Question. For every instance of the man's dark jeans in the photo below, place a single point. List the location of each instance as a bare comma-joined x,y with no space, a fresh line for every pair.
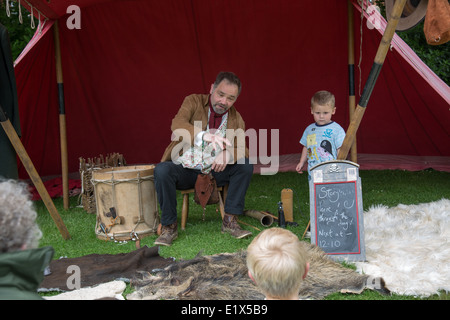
170,177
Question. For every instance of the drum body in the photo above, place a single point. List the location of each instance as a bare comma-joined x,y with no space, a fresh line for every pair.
127,207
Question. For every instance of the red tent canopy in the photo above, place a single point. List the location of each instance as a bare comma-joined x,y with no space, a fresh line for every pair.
128,68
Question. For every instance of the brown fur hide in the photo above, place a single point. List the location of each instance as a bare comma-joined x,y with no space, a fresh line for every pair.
100,268
225,277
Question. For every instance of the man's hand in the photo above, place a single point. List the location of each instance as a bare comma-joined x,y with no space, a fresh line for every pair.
217,141
220,162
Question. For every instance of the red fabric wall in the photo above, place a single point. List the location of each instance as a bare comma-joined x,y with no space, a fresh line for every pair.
128,68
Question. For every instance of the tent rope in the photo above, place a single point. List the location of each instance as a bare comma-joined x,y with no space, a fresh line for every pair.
8,12
41,17
20,13
32,18
34,9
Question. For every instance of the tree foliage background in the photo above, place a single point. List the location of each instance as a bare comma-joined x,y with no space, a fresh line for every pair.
436,57
19,34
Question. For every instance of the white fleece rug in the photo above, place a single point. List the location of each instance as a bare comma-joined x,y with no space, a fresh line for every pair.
409,247
104,291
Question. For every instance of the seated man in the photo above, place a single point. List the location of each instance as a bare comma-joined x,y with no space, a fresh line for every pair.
208,136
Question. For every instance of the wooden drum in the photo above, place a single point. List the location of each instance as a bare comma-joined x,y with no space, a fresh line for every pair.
127,207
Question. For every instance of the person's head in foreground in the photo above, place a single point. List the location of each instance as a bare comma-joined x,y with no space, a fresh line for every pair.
277,263
22,262
18,228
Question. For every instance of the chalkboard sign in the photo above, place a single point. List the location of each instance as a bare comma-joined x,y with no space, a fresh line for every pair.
336,210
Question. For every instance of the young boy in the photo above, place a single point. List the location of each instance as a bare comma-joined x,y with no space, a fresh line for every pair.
322,139
277,264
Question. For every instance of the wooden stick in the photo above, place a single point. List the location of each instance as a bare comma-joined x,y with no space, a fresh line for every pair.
62,118
269,214
374,72
28,164
248,224
221,205
351,74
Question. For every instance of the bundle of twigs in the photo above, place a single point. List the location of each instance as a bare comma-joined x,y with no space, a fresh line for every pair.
88,166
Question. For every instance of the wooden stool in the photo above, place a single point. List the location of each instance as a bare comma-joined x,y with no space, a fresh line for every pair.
185,208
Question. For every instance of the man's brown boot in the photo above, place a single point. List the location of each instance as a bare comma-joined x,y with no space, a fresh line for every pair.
230,225
168,234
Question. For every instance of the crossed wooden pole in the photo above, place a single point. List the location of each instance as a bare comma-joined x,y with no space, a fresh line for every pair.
373,75
37,181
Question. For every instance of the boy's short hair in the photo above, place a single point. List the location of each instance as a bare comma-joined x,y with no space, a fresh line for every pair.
277,262
323,98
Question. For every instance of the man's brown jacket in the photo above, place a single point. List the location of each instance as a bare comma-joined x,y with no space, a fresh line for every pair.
195,110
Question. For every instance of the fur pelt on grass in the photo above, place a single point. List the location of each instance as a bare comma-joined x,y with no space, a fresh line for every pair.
408,245
106,291
225,277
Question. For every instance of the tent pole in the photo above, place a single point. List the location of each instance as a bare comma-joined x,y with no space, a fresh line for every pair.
37,181
373,75
62,117
351,74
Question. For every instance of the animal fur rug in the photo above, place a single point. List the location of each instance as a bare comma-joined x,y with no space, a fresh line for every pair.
408,246
106,291
96,269
225,277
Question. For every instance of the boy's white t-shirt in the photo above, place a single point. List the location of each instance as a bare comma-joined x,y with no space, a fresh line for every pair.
322,142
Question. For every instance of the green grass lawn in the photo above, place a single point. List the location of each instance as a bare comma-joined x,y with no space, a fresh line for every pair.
385,187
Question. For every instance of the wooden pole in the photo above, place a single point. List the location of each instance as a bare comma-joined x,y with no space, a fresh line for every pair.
351,75
62,118
373,75
28,164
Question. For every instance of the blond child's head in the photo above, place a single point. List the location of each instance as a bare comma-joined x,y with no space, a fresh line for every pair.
277,263
323,106
323,98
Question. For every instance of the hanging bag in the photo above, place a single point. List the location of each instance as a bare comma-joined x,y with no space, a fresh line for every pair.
206,190
437,22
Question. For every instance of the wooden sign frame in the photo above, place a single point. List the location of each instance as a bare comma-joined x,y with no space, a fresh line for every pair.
336,211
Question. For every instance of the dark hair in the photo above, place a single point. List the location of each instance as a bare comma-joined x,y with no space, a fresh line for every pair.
230,77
